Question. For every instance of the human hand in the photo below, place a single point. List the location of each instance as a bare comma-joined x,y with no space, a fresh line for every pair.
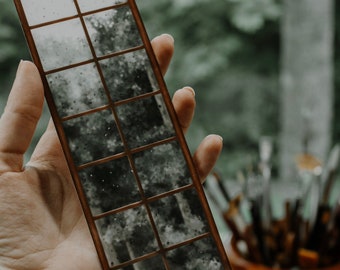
42,225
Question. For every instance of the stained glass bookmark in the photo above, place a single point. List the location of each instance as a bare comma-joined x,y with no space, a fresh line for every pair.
132,169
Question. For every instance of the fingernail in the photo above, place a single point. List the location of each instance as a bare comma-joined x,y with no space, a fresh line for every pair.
220,137
19,66
188,88
169,37
216,136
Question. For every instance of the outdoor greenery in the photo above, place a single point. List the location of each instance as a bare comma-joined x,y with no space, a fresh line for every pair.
228,50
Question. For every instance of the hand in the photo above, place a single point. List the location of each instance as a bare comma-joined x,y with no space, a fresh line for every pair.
41,222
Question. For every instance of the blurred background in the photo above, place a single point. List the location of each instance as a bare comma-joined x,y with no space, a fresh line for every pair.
259,68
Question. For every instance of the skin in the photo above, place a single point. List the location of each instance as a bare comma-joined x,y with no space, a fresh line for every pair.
41,222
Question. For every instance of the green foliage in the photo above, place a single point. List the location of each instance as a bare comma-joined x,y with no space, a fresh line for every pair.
229,52
12,44
336,125
12,47
251,16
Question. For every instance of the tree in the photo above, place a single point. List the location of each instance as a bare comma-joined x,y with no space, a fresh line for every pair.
306,80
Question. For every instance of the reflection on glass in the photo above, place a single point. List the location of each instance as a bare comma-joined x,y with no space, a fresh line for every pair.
145,121
119,236
179,218
109,186
61,44
77,90
162,169
113,30
129,75
92,137
89,5
38,11
200,255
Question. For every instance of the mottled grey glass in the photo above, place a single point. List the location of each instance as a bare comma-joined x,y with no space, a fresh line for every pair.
129,75
200,255
89,5
109,186
61,44
145,121
179,218
77,90
38,11
126,236
112,31
154,263
162,169
92,137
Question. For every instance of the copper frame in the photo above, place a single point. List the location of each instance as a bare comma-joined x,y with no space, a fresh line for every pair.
178,136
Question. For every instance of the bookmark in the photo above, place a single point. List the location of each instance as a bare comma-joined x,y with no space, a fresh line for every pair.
131,167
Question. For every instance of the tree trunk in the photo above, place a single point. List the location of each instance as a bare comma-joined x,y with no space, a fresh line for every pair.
306,81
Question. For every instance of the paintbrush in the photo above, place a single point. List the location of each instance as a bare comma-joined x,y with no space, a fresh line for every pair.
310,170
323,216
265,151
330,173
223,189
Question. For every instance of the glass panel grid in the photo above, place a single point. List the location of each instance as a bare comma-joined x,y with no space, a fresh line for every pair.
111,122
41,13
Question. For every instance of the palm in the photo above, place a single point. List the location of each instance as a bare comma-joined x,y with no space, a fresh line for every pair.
42,225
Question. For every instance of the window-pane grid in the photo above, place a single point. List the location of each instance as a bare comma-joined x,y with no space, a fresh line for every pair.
125,154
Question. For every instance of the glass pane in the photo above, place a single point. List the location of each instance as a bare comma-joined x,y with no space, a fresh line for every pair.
200,255
179,218
109,186
89,5
92,137
154,263
41,11
126,236
162,168
113,30
145,121
129,75
77,90
61,44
